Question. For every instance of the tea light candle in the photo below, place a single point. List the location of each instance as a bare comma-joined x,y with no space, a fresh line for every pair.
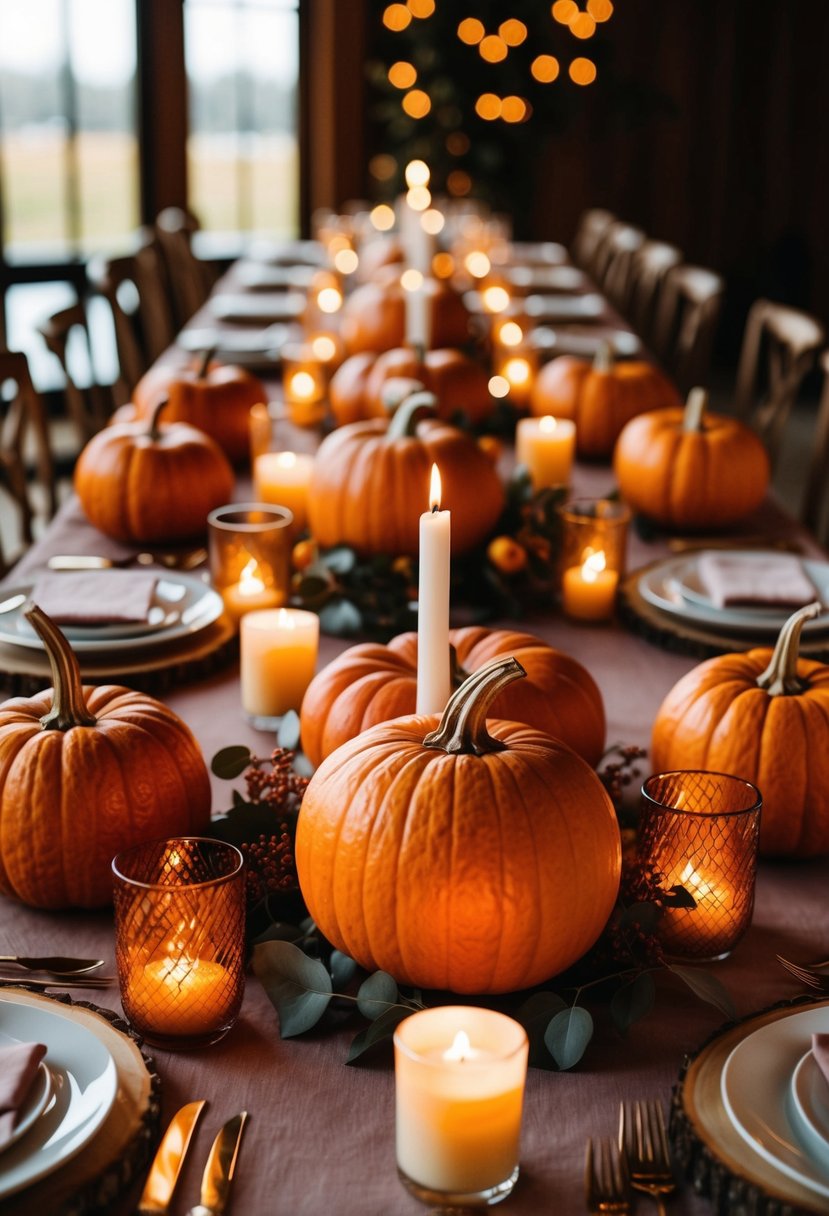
547,447
459,1086
181,996
434,681
715,904
285,478
278,657
250,593
589,591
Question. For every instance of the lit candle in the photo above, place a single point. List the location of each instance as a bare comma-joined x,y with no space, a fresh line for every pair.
434,681
250,593
459,1087
181,995
589,590
518,369
278,657
305,383
546,446
417,241
715,904
284,478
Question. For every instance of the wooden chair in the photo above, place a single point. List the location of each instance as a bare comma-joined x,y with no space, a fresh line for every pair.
815,507
594,225
685,321
23,427
651,263
614,269
780,345
190,279
88,407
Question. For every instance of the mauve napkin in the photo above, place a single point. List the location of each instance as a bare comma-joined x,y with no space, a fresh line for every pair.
820,1050
18,1065
98,597
770,580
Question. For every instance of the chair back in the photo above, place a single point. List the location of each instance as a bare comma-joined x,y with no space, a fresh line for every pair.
815,507
616,259
189,278
23,428
88,407
594,225
685,321
651,262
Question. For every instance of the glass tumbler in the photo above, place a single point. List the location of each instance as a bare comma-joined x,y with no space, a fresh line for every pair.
250,555
593,551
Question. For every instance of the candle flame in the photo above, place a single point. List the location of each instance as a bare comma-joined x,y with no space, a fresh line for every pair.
547,424
460,1048
249,581
286,460
593,565
302,385
435,489
698,886
284,619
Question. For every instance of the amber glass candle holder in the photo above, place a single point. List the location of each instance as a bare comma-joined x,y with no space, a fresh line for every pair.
700,831
250,555
180,939
593,552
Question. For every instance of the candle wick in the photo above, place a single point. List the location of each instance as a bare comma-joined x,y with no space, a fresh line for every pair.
435,508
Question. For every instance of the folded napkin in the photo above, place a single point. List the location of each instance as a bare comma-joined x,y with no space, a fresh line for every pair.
18,1065
764,580
95,597
820,1050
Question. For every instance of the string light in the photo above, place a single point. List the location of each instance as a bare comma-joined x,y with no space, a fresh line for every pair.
582,26
493,49
402,75
471,31
545,68
396,17
416,103
582,71
512,31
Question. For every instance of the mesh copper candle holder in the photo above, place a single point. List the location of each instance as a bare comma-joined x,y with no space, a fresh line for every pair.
700,831
180,938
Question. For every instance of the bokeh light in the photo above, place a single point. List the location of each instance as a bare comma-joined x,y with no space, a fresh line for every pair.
582,26
411,279
564,11
402,74
545,68
471,31
512,31
346,261
443,265
493,49
417,104
495,298
513,109
418,198
582,71
432,221
330,300
382,167
457,143
324,347
417,173
488,106
459,183
421,8
396,17
499,386
600,10
382,217
477,263
509,333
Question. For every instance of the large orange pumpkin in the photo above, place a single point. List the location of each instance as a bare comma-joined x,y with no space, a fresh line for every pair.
763,716
374,316
370,483
370,683
459,858
691,469
459,384
600,397
84,773
152,482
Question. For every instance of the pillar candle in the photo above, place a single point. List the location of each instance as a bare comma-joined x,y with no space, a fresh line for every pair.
434,680
546,446
278,657
418,317
181,995
284,478
589,591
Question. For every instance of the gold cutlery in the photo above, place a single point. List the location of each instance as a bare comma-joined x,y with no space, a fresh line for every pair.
606,1183
30,981
168,1160
220,1168
644,1142
810,977
91,561
56,964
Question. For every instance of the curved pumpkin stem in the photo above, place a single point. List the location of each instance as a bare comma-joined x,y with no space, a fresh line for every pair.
154,431
457,672
780,679
462,729
695,407
409,413
398,389
204,363
68,704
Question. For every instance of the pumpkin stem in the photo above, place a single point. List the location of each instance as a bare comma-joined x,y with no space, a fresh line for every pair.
68,704
603,359
396,390
409,413
780,679
204,363
462,729
695,407
457,672
154,431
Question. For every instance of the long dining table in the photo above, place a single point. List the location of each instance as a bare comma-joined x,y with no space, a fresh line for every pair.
321,1134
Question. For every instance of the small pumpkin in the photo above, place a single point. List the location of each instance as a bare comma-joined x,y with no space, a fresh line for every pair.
600,397
152,482
455,856
213,396
691,469
371,683
370,482
458,383
374,315
762,715
84,773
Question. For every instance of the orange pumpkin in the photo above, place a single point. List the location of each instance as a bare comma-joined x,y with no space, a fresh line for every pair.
691,469
600,397
212,396
84,773
370,683
458,384
374,316
370,483
152,483
459,858
763,716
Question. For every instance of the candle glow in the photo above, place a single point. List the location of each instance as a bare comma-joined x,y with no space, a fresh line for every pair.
546,447
434,681
589,590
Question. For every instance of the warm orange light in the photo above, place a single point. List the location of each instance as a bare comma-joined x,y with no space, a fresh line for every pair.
324,347
411,279
471,31
458,183
493,49
434,489
330,300
545,68
512,31
382,217
510,333
416,103
457,143
346,261
582,71
417,173
499,386
443,265
418,198
421,8
495,298
517,371
513,109
302,385
600,10
460,1049
582,26
477,263
382,167
432,221
396,17
564,11
402,75
488,106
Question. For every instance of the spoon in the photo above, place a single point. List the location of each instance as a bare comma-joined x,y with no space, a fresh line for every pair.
57,965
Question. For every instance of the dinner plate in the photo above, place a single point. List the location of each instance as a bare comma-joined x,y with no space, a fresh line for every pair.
537,253
810,1104
85,1082
693,590
755,1084
585,341
195,607
244,347
259,308
35,1102
561,307
547,278
164,611
256,276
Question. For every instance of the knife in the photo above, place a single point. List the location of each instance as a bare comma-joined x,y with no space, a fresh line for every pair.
220,1168
167,1163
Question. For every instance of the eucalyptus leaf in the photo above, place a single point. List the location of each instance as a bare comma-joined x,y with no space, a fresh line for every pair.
567,1036
707,987
378,1031
287,734
340,618
341,559
343,969
298,987
632,1001
303,766
230,762
535,1015
376,994
279,931
313,586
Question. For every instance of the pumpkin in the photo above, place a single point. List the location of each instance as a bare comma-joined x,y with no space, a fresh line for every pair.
691,469
370,683
152,482
374,315
600,397
764,716
370,482
212,396
85,773
458,384
457,857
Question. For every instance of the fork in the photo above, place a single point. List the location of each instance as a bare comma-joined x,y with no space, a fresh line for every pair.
644,1143
606,1183
808,976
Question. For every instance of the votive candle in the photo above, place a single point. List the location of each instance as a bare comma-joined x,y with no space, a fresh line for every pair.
588,591
278,658
547,447
285,478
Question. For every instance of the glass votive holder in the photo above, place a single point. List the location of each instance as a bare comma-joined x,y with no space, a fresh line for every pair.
459,1089
546,446
304,384
278,657
593,552
325,301
250,555
180,939
700,831
281,475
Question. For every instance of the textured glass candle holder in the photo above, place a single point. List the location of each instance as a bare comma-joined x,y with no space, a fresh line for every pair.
700,831
592,557
250,555
180,939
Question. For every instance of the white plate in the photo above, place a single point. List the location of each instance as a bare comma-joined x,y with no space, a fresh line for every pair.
85,1082
244,347
165,610
585,342
39,1093
257,307
693,590
547,278
755,1085
254,276
563,307
810,1104
195,604
663,586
